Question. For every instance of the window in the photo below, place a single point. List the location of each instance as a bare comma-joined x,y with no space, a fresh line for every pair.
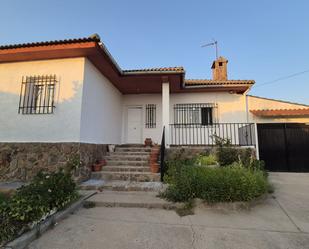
37,94
206,115
200,114
150,116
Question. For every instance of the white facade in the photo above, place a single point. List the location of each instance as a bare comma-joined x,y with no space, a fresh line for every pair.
61,126
90,109
230,108
101,113
140,100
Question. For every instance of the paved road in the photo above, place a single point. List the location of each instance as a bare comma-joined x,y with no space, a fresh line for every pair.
281,223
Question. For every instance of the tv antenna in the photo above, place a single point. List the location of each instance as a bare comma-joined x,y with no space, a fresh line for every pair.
214,43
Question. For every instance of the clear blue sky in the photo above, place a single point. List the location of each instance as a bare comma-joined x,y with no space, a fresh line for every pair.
263,40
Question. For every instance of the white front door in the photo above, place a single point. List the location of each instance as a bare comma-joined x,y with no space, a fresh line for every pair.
134,127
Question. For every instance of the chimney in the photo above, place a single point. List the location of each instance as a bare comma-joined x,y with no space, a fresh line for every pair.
219,69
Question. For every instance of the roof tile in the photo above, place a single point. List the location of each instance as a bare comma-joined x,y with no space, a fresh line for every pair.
201,82
159,69
281,112
47,43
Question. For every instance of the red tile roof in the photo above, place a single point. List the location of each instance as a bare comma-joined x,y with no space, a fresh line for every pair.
80,48
47,43
159,69
281,112
201,82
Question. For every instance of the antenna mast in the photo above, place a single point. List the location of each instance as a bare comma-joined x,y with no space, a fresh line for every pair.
214,43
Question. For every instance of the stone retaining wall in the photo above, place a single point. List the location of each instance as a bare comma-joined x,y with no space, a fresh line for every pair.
22,161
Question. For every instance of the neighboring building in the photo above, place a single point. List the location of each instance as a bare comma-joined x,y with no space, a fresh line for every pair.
67,97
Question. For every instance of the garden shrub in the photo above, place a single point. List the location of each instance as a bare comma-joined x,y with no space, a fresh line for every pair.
204,160
222,184
226,153
3,197
47,193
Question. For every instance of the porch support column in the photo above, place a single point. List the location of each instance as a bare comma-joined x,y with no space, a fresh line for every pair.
166,109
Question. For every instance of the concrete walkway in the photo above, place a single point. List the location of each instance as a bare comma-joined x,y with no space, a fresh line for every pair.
280,222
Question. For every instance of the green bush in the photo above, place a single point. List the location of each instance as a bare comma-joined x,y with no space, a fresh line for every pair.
226,153
46,194
203,160
221,184
3,197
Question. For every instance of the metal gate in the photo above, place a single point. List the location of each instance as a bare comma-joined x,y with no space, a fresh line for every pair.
284,146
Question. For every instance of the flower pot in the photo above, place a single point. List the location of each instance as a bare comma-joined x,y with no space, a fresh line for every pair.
154,168
148,142
97,167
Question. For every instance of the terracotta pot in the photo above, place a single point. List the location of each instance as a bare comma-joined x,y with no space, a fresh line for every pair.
154,168
155,150
148,142
97,167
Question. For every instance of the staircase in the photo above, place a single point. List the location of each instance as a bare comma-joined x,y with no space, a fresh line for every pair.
126,180
128,165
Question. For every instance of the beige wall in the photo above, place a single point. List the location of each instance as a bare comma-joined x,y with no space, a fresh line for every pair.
61,126
231,107
256,103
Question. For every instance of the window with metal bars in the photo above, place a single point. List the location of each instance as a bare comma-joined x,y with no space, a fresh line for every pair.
150,116
198,114
37,94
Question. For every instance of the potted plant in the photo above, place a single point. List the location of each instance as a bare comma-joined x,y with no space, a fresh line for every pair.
148,142
97,166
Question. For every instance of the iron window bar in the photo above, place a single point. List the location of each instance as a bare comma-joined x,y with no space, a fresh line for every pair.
150,116
195,114
37,94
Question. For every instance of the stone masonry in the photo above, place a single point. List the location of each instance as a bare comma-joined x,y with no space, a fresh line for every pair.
22,161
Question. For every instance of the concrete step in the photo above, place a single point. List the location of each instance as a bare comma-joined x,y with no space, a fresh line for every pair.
126,168
92,184
129,145
120,157
131,153
126,176
143,163
132,149
118,185
130,199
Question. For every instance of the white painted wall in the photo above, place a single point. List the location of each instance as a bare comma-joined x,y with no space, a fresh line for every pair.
61,126
141,100
231,107
255,103
101,119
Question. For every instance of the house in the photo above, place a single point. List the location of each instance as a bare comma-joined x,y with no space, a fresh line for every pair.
67,97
